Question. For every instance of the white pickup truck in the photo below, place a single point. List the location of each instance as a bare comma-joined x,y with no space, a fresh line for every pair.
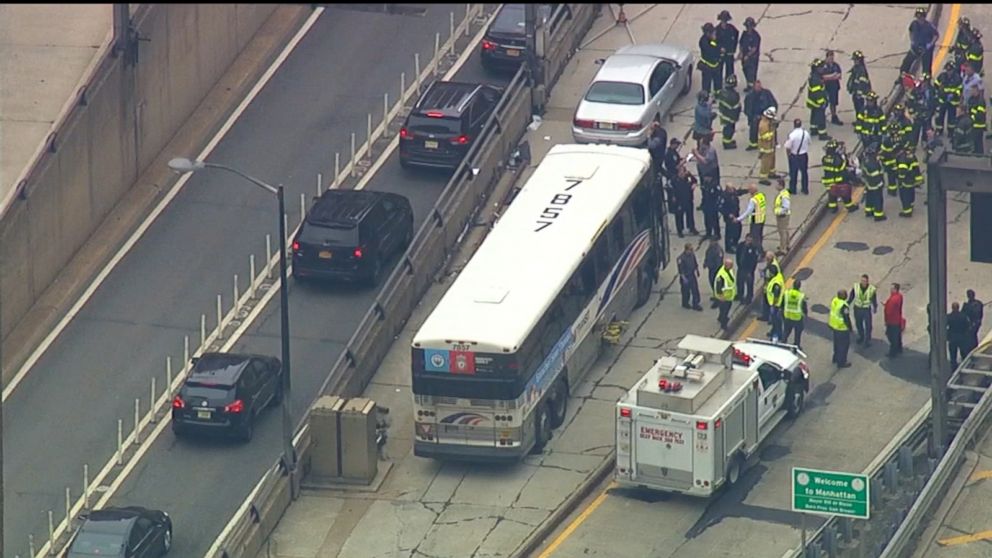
691,424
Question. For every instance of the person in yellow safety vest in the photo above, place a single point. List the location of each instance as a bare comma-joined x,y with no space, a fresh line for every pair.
767,132
725,290
874,179
910,179
774,294
862,298
772,270
816,101
840,324
782,210
794,312
756,210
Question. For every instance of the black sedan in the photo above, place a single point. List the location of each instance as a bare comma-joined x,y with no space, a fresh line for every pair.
131,532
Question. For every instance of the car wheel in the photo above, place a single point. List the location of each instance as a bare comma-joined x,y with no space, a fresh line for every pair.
248,430
643,287
734,470
277,396
558,402
688,83
167,540
177,429
542,428
796,400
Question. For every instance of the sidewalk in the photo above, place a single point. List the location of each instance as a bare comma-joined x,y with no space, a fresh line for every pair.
428,508
46,51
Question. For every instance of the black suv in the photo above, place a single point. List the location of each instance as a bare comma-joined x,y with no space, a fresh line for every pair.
504,45
131,532
445,121
351,234
225,392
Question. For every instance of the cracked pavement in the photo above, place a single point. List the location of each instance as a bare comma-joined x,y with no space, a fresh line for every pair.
440,510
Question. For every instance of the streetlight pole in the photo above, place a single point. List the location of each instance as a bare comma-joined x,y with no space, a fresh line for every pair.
288,451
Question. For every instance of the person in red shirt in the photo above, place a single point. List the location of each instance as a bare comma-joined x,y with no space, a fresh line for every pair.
894,322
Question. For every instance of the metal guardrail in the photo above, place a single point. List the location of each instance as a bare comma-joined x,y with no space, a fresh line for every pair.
434,243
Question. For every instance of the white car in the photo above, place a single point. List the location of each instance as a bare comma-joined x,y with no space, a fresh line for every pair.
635,86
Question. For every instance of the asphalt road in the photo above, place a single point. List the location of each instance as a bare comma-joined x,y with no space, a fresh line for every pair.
202,482
106,357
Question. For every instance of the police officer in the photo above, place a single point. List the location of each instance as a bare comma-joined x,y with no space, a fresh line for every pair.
816,101
910,179
729,104
962,139
873,176
750,45
710,59
921,105
725,291
688,277
887,153
726,38
862,297
976,109
756,102
858,85
833,166
840,325
794,312
748,255
948,88
870,120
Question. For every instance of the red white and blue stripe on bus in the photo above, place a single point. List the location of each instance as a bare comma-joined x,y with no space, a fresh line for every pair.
626,267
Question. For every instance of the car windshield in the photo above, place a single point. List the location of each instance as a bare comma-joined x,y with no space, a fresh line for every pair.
616,93
96,544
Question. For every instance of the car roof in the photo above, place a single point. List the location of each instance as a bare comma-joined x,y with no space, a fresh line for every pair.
112,521
450,98
629,68
342,208
780,356
219,368
656,50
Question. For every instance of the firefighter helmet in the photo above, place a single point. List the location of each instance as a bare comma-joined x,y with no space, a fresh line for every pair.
724,16
921,12
749,22
858,55
731,81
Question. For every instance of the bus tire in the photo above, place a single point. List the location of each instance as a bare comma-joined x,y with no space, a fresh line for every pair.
734,470
644,283
558,402
542,428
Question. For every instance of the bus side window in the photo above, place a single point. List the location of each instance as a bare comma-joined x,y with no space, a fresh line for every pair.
617,235
601,253
588,276
642,206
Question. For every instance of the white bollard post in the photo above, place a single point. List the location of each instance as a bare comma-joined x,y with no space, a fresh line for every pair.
437,52
51,534
31,545
237,293
120,441
268,256
251,271
352,160
185,355
220,319
137,421
68,507
86,486
416,69
151,405
168,375
303,207
203,331
289,231
385,115
468,17
402,87
368,132
320,181
451,32
337,168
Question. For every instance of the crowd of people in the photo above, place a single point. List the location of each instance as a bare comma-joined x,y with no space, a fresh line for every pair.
952,104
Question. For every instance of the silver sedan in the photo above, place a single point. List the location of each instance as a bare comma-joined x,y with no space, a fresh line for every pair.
635,86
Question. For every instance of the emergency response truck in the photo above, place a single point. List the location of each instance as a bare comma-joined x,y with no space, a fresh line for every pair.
691,424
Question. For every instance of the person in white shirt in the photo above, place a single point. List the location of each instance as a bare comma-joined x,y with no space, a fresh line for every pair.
782,209
797,149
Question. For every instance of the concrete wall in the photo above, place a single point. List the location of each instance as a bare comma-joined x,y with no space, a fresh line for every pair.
127,115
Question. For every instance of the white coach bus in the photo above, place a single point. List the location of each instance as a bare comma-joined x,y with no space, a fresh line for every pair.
580,246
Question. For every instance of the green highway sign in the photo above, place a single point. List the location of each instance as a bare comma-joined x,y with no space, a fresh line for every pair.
830,492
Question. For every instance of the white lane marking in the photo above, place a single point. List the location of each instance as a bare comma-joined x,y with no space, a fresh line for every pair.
133,240
215,547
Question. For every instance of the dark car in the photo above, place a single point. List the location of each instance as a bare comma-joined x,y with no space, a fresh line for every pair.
504,45
351,234
225,392
131,532
445,121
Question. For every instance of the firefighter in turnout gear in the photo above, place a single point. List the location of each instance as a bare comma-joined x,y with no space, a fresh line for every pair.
887,152
976,109
921,105
858,85
976,52
902,121
962,138
767,129
948,89
834,165
710,59
962,42
816,101
870,120
727,38
729,101
873,176
910,179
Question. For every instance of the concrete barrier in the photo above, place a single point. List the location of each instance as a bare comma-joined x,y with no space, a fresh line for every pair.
121,120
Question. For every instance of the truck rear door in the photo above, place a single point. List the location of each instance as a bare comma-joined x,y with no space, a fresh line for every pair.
663,454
